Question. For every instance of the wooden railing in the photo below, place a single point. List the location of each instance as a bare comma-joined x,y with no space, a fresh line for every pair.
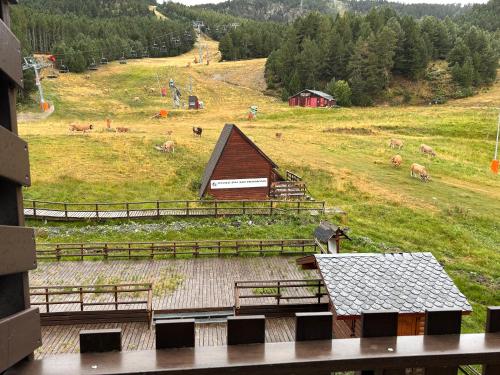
153,250
92,297
276,291
290,176
45,210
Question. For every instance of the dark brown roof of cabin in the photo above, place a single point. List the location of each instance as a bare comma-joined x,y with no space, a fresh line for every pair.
325,231
219,149
406,282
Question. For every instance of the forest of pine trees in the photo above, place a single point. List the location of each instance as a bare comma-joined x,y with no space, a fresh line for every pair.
79,32
364,52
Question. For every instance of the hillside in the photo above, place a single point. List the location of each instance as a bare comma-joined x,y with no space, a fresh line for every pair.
342,154
289,10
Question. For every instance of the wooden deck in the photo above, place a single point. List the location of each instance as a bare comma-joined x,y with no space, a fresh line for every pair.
138,336
41,210
178,284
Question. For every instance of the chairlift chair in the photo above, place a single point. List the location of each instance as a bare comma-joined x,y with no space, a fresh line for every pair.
63,68
104,61
133,54
93,65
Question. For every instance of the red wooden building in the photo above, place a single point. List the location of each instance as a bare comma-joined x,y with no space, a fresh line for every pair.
311,98
238,169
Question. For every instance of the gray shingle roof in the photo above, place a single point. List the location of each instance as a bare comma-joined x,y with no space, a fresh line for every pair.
407,282
219,149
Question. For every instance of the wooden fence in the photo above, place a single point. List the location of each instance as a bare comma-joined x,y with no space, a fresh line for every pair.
45,210
250,296
290,176
70,304
152,250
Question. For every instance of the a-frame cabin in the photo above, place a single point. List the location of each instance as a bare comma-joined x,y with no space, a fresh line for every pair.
238,169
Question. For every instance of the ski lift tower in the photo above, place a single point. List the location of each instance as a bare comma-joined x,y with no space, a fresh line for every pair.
31,63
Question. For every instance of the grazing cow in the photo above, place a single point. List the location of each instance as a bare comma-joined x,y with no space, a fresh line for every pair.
152,90
418,170
168,147
396,160
279,136
197,131
108,123
80,128
137,99
396,143
87,76
122,130
424,149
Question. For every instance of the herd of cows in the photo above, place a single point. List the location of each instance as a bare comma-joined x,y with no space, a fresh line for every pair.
416,170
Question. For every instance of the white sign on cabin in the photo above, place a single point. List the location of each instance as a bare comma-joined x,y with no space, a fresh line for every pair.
239,183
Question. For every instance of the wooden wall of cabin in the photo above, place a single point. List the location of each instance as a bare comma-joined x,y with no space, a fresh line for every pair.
240,160
408,325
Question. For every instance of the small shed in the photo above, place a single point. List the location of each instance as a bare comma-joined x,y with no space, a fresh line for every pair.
193,102
409,283
311,98
238,169
330,234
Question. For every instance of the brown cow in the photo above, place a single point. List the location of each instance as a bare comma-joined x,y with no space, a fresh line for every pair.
279,136
396,161
396,143
424,149
80,128
168,146
122,129
417,170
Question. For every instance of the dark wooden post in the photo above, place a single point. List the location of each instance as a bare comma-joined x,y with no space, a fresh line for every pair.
313,326
101,340
249,329
442,322
158,208
492,326
187,208
128,210
47,299
380,324
81,298
97,210
19,324
178,333
66,211
34,209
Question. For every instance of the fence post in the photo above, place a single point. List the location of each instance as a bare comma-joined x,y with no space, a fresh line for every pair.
66,210
219,249
319,291
244,210
97,210
196,249
278,297
47,299
34,209
105,251
81,251
271,208
215,208
187,208
128,210
236,298
442,322
298,207
150,305
175,250
261,248
492,326
81,299
115,290
58,253
158,208
323,208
